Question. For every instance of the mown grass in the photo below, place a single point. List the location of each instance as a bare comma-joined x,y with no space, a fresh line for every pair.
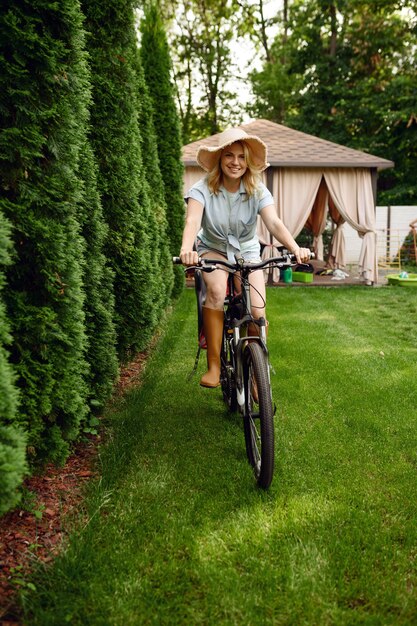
178,533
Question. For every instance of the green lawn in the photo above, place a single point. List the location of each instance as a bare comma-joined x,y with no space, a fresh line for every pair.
177,532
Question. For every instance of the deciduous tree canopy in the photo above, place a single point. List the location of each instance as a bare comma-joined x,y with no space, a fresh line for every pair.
346,71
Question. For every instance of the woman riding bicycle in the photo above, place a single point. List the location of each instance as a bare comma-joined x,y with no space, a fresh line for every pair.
222,210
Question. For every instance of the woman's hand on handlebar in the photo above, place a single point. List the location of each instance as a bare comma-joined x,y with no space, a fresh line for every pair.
189,257
302,255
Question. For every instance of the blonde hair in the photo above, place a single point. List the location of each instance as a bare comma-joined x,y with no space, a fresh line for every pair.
251,178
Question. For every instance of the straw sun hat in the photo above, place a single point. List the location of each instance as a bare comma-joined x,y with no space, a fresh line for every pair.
207,156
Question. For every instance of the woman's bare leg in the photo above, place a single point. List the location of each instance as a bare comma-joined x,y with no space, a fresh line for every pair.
216,283
257,293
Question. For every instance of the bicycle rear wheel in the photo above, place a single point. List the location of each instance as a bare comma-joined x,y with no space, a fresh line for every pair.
258,419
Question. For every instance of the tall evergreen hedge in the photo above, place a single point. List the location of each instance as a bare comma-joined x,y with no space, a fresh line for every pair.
42,81
12,439
116,141
98,287
91,264
157,64
158,223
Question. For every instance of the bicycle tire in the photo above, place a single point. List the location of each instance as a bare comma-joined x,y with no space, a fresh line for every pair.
258,419
227,377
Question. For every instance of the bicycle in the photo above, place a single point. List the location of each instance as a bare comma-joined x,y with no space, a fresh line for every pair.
244,360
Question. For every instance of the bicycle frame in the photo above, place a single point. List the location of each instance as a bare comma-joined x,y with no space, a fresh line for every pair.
234,323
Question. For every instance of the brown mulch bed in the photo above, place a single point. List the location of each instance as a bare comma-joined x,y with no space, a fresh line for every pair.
36,533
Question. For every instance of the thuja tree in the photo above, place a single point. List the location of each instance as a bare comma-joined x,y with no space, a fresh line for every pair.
40,94
116,141
97,274
98,288
12,439
161,256
157,64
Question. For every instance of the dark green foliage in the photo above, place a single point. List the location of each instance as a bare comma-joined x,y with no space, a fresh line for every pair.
12,439
43,113
408,251
98,287
157,219
91,253
156,64
115,138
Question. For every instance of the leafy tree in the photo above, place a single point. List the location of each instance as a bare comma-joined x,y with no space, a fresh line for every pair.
116,141
254,24
43,114
12,440
156,63
349,76
200,36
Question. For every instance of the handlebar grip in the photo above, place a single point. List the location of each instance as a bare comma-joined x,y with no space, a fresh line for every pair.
176,260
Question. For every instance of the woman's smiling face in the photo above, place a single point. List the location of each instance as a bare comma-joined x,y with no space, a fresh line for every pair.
233,161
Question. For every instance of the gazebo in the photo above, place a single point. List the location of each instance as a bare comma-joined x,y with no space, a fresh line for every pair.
311,178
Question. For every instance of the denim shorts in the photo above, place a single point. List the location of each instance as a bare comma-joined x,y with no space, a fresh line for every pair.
250,256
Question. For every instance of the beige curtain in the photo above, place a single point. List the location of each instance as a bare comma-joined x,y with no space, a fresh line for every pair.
191,176
293,206
295,190
337,254
316,221
351,192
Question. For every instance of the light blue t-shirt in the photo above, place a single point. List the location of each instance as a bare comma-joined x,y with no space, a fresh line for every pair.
229,220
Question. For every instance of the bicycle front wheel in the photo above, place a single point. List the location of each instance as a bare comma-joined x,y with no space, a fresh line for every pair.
258,419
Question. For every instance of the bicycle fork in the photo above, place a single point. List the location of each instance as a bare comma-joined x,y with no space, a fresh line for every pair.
238,347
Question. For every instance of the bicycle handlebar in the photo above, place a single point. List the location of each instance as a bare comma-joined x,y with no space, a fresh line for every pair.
209,265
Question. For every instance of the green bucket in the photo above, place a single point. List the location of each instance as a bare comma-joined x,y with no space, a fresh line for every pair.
287,275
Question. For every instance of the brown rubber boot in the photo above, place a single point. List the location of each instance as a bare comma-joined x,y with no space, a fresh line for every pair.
213,331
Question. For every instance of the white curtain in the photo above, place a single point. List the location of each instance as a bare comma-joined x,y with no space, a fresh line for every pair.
351,192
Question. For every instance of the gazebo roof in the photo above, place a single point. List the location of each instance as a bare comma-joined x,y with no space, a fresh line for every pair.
291,148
